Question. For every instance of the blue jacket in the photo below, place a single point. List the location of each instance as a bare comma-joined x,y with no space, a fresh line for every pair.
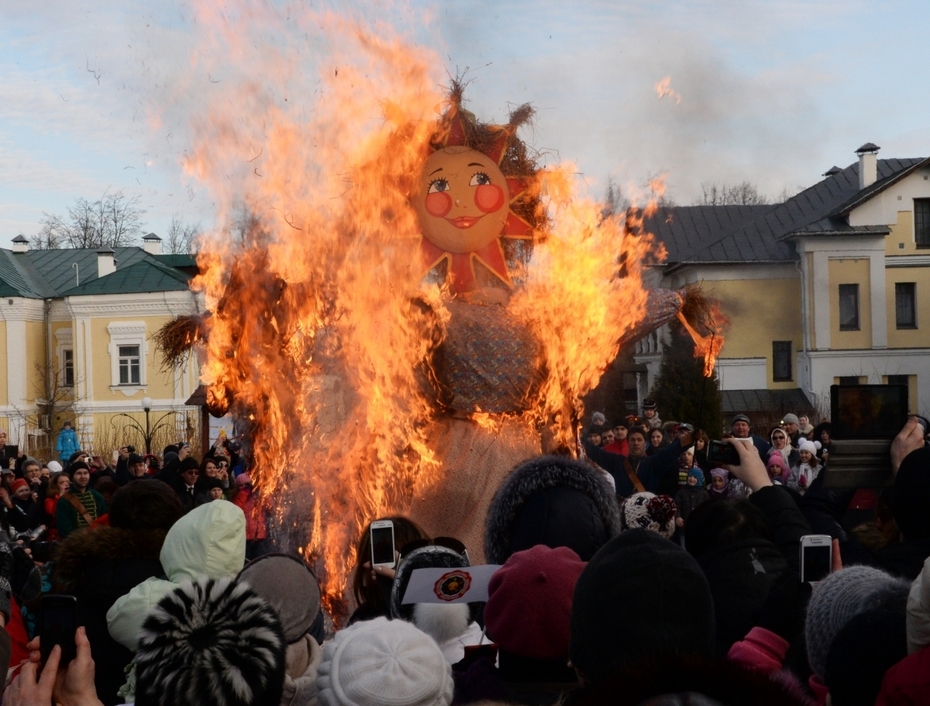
67,444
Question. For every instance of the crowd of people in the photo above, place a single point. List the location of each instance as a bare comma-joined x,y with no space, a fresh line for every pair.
642,572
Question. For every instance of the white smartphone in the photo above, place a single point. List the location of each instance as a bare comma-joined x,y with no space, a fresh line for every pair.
816,557
382,543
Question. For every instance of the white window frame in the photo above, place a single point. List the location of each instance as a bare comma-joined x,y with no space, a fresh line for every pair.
127,333
64,338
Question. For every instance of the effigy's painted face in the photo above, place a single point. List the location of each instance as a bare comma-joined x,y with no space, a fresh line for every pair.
462,201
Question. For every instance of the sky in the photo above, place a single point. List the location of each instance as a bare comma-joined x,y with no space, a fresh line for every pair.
774,92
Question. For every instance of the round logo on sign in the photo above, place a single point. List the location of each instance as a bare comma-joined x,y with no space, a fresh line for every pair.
452,585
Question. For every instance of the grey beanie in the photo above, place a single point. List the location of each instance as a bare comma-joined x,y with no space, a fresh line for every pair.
840,597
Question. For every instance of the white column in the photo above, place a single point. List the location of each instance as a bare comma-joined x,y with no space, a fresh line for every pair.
821,303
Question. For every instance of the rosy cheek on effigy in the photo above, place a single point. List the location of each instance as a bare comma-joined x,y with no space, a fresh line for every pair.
438,203
489,197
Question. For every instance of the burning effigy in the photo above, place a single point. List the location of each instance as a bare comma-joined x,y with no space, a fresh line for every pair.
407,305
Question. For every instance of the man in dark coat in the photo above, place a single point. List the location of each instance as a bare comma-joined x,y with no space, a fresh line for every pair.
656,474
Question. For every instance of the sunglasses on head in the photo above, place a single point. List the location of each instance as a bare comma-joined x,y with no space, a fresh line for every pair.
447,542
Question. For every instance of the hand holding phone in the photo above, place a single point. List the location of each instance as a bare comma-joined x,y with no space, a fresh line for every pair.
58,622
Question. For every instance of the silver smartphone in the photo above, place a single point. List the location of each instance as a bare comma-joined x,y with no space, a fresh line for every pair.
816,557
382,543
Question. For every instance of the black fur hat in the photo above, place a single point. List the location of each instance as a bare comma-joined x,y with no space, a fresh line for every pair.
551,500
211,642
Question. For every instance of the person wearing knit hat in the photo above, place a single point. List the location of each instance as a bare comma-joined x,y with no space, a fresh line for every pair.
23,512
741,428
288,585
862,651
640,597
918,611
649,511
842,595
777,468
451,625
529,611
551,500
791,424
213,641
808,467
383,661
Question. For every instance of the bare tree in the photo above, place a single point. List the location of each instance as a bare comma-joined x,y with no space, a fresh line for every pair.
742,194
181,236
114,220
614,200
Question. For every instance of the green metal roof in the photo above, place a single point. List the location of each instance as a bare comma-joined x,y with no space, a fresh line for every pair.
143,276
44,274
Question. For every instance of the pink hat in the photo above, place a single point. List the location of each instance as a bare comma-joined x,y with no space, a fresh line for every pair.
530,602
243,479
776,459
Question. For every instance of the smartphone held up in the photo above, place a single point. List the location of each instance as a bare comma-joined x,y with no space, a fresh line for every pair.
382,544
816,557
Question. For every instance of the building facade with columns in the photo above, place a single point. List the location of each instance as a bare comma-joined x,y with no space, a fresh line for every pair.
830,286
76,328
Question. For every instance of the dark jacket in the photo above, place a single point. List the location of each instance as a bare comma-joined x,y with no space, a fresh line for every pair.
688,498
98,566
658,474
742,573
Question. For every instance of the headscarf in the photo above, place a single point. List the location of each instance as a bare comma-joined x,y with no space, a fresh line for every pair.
720,473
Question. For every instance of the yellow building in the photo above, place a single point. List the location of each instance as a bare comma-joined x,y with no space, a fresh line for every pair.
76,331
830,286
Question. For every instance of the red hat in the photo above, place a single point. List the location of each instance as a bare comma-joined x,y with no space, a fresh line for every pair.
19,483
530,602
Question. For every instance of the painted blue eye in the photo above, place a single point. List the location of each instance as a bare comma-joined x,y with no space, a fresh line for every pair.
480,179
438,186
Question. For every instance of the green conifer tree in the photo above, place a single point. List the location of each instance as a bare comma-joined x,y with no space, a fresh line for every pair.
681,391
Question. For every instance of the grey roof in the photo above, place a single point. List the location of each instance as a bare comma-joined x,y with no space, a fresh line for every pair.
747,401
45,274
722,234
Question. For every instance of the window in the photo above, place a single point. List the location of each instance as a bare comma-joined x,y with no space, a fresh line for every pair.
848,380
898,380
128,351
905,307
849,307
67,368
129,365
781,361
922,223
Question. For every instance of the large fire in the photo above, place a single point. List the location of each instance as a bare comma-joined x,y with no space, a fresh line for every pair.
321,328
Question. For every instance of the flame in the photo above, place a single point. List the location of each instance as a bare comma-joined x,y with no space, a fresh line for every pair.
320,327
708,346
664,88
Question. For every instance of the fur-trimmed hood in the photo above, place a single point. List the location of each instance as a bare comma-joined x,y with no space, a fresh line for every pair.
551,500
105,544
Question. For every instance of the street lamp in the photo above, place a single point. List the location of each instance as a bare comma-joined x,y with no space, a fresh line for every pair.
149,431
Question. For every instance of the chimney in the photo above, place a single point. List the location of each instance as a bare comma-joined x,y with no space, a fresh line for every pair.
106,263
151,243
20,244
868,164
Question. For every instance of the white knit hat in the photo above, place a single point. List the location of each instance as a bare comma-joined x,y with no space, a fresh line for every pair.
54,466
807,445
383,661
